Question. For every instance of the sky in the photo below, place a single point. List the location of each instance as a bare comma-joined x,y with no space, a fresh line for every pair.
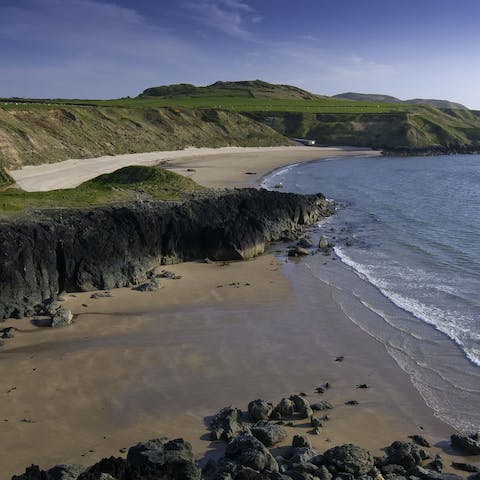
116,48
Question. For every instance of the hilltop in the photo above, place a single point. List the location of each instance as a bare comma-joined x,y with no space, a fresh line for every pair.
374,97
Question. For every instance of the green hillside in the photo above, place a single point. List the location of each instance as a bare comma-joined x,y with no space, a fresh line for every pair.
129,183
246,113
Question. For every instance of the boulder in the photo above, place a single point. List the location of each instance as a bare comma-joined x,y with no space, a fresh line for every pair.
226,424
151,286
304,455
285,408
247,451
425,474
436,464
8,332
302,406
62,317
259,410
65,472
465,467
305,242
156,459
323,243
32,473
300,441
406,454
268,433
466,443
349,458
50,306
298,252
419,440
323,405
113,467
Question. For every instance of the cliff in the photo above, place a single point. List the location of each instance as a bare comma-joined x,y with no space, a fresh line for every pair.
51,251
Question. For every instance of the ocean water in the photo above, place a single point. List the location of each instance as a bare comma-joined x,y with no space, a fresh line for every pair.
407,264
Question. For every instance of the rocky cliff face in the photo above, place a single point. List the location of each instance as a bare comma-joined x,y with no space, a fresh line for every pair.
114,246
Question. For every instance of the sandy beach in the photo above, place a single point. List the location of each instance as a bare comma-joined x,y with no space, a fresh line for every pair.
211,167
141,365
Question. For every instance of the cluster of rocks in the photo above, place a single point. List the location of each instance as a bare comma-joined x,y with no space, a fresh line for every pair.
305,247
51,313
248,454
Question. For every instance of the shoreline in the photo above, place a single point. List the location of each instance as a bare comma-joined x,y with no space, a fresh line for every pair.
152,361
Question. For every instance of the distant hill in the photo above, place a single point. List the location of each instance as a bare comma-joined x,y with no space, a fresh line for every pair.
368,97
373,97
246,88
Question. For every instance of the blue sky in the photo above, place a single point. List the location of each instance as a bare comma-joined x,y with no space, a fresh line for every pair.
106,49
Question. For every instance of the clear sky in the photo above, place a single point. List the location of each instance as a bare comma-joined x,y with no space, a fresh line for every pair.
114,48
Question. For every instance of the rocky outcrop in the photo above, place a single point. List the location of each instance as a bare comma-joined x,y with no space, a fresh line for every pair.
469,444
52,251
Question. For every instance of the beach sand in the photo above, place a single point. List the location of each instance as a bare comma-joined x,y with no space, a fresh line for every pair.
213,167
142,365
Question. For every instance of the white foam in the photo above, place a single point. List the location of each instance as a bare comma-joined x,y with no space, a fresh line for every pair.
442,320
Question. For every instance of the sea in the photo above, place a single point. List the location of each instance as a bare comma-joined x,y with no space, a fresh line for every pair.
406,264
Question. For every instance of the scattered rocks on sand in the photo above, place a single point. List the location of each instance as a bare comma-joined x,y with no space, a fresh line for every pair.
168,275
61,318
466,443
268,433
259,410
226,424
97,295
151,286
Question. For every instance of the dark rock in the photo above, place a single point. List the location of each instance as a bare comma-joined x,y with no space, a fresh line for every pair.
305,242
65,472
116,245
324,474
341,358
323,405
303,455
406,454
158,460
285,408
315,422
300,441
152,285
302,406
259,410
247,451
393,470
436,464
32,473
465,467
8,332
425,474
113,466
475,476
268,433
62,318
298,252
351,402
98,295
349,459
50,306
419,440
226,424
320,390
466,443
169,275
362,385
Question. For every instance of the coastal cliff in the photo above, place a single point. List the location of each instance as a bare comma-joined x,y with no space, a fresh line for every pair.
117,245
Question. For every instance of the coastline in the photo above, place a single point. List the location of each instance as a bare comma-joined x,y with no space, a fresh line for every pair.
139,365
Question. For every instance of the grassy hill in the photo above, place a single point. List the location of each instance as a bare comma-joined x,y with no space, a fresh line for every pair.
129,183
47,135
246,113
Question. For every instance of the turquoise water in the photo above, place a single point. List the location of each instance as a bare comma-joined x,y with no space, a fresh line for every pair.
408,229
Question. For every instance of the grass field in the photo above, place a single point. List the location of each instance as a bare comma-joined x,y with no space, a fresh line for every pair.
128,183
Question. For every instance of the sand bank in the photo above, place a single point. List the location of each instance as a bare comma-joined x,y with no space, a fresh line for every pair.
212,167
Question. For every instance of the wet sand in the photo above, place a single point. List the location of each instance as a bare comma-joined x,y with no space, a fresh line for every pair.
142,365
